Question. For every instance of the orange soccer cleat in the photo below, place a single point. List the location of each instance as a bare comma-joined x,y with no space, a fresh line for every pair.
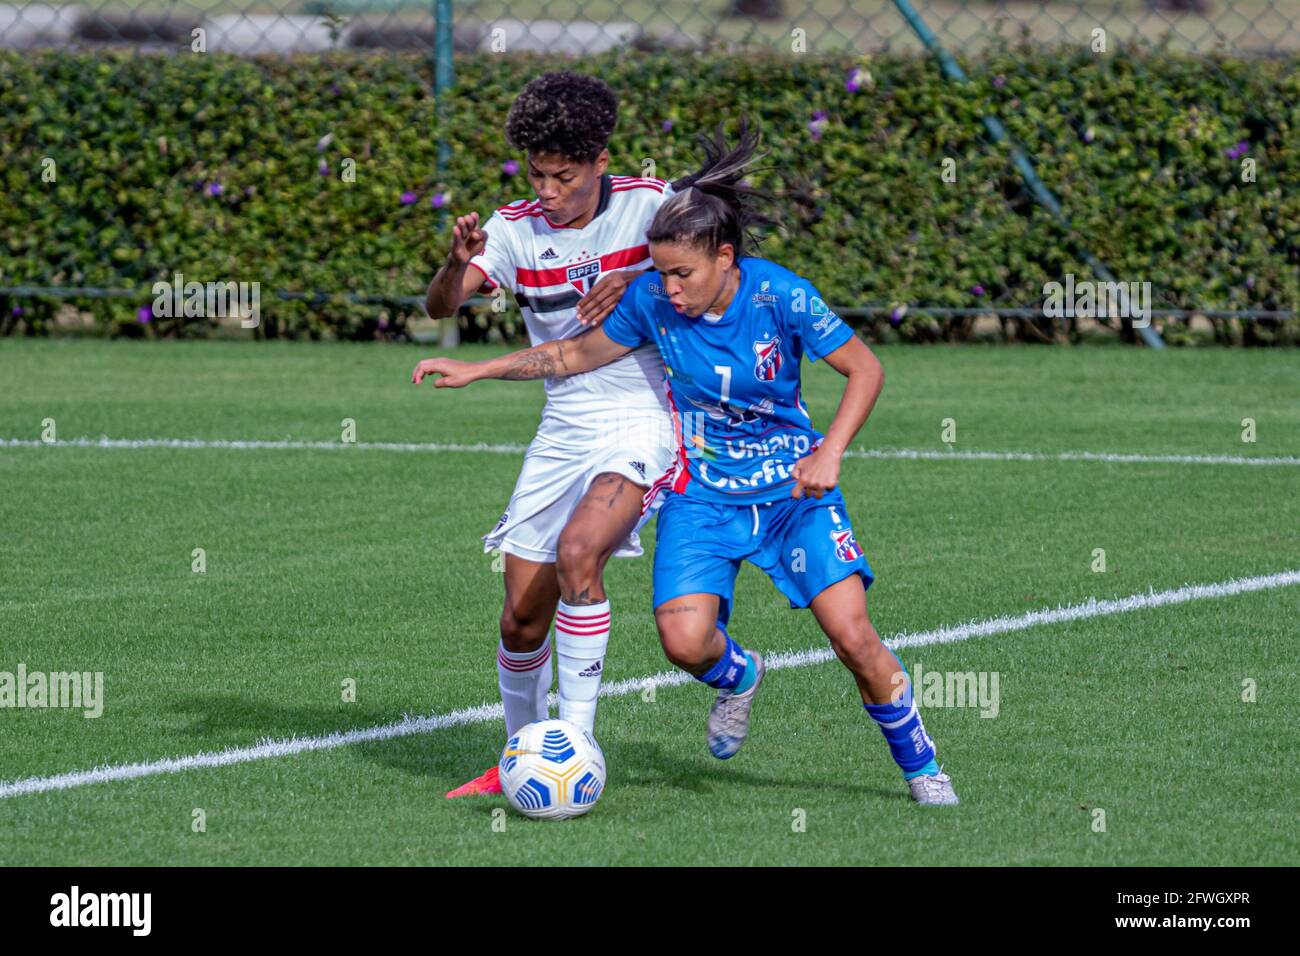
490,782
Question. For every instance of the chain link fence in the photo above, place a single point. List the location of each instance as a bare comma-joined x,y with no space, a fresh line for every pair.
578,27
1202,29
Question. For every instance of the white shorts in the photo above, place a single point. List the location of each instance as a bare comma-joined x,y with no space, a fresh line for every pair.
555,477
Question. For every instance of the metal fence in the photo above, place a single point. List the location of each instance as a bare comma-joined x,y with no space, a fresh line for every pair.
578,27
1257,28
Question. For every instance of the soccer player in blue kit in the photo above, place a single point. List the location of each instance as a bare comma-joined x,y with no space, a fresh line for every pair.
754,480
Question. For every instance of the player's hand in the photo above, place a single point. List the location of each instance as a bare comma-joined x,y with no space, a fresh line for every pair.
452,372
600,301
816,474
467,239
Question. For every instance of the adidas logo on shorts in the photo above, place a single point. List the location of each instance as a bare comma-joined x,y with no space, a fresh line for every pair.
640,468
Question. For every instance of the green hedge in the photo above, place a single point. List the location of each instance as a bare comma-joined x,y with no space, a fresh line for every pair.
1143,149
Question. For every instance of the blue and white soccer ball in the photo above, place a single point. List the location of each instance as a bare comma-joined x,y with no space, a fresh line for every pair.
551,770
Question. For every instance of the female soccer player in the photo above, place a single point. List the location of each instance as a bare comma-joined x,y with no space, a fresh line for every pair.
605,437
753,480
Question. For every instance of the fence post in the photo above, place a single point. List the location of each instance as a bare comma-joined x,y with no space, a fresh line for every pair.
443,79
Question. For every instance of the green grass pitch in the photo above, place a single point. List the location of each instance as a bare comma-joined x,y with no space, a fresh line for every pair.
325,565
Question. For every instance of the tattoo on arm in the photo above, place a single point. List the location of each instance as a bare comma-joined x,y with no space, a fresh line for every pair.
542,362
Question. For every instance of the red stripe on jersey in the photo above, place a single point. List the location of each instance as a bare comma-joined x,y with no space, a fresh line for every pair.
487,277
626,186
683,476
522,214
516,206
540,278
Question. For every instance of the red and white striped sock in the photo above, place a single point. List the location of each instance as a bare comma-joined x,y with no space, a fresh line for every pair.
581,636
525,679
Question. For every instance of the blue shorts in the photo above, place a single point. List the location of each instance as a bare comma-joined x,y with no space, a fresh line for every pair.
803,544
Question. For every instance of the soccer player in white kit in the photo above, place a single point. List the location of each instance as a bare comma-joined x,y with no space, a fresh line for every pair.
605,445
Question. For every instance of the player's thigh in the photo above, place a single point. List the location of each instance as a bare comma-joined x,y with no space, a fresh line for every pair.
698,550
532,593
813,547
606,514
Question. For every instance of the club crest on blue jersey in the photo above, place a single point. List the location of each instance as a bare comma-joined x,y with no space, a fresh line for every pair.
846,546
767,361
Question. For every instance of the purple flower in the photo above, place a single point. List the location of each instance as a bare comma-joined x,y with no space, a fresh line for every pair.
144,315
249,191
818,124
896,314
408,198
1240,150
334,88
1250,282
214,189
437,200
1089,135
859,78
666,126
16,311
819,115
977,290
999,81
510,167
323,168
383,323
324,141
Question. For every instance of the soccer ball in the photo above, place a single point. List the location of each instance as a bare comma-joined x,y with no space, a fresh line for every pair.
551,770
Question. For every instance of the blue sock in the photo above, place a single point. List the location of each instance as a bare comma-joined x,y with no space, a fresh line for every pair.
734,670
909,744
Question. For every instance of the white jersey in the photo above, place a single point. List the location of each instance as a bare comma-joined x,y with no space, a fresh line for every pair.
549,268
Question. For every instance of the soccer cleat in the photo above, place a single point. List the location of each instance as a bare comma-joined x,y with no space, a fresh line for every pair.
490,782
729,716
933,789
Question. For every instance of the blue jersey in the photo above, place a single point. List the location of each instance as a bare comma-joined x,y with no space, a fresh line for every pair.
734,381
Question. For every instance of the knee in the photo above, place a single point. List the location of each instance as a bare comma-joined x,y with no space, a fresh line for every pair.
520,634
578,560
686,647
858,644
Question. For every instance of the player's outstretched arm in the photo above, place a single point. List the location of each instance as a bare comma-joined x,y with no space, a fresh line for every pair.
819,472
581,353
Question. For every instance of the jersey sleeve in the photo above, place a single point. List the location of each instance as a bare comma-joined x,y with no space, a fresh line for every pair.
497,260
626,325
817,329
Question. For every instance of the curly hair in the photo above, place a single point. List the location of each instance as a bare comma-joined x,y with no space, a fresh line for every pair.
565,113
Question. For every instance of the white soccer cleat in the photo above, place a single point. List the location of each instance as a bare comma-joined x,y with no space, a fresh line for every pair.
729,716
935,789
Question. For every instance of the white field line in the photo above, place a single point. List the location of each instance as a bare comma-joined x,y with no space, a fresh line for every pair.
516,449
485,713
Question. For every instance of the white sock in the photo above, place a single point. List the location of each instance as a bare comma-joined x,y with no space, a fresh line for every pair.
581,636
525,680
